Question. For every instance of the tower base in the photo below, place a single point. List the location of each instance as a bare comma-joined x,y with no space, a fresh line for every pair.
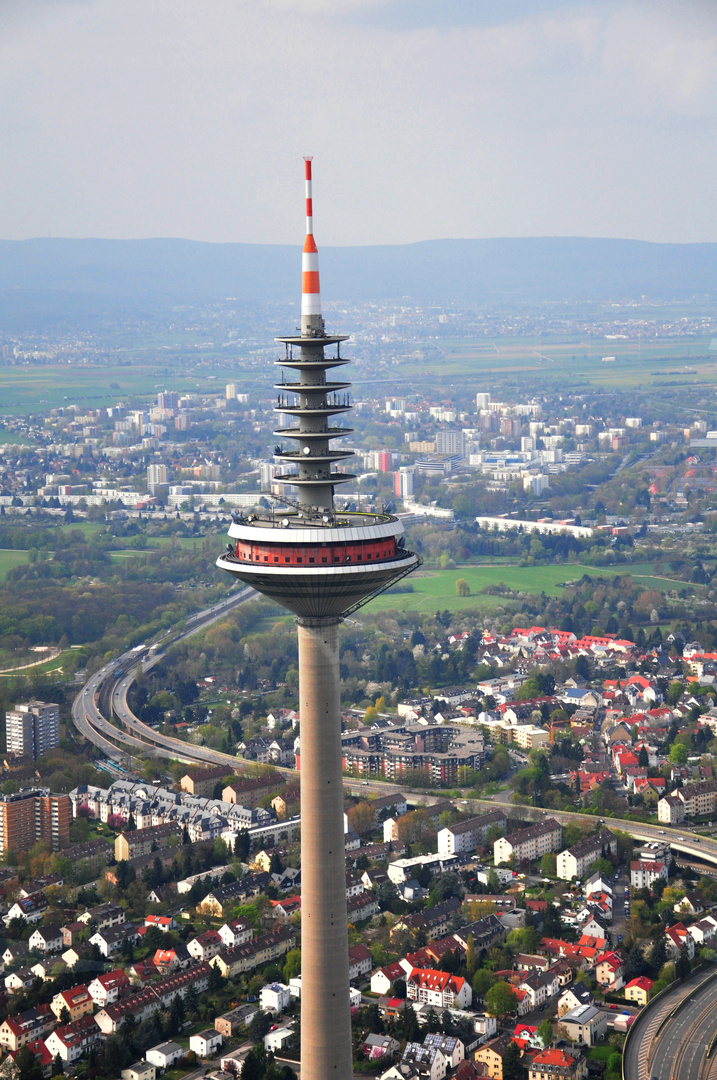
325,1010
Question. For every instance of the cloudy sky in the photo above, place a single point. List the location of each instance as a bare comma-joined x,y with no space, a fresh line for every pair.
426,118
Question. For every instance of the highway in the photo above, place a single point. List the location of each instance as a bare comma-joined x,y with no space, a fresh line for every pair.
680,837
669,1041
118,675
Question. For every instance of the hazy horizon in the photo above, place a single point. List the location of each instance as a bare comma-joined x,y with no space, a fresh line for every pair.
427,120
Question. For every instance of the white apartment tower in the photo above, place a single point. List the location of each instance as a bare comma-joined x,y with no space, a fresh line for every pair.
32,728
403,482
156,475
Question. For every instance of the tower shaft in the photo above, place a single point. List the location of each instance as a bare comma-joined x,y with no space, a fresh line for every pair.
325,1010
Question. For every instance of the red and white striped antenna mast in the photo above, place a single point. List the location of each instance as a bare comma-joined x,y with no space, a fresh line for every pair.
312,323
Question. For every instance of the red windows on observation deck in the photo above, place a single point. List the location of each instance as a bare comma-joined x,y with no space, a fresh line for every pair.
317,555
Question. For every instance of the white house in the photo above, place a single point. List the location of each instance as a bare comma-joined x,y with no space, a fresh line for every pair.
46,939
438,988
274,998
642,874
206,1043
278,1039
165,1055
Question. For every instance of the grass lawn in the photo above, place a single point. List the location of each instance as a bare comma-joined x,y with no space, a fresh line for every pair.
600,1053
10,558
437,588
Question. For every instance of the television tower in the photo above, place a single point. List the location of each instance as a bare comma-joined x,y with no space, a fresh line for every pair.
321,563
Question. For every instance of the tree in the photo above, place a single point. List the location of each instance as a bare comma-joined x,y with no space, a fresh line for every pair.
28,1065
682,966
545,1032
549,864
501,1000
462,587
470,958
482,982
678,754
512,1068
292,964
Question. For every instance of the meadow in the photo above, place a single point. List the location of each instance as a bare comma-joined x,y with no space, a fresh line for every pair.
433,589
570,361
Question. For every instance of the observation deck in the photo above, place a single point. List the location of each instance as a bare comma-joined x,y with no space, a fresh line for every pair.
319,566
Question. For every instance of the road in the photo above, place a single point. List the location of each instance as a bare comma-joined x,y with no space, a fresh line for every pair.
662,1046
121,673
692,844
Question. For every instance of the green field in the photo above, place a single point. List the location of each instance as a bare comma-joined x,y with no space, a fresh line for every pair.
10,558
434,589
573,361
25,389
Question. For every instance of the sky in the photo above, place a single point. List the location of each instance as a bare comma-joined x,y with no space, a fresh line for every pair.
426,119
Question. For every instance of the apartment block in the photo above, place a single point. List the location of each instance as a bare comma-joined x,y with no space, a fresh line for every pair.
32,728
576,860
528,844
34,814
467,835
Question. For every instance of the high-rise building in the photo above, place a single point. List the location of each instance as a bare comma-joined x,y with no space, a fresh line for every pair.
403,482
231,391
156,476
34,814
168,400
322,564
32,728
267,470
482,401
384,461
450,442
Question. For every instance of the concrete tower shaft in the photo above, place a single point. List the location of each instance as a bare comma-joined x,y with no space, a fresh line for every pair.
320,564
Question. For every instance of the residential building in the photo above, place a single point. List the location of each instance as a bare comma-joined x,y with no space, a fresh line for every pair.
33,814
438,988
165,1055
490,1055
642,874
141,1070
554,1064
274,998
468,835
205,946
32,728
360,962
108,988
530,843
46,939
585,1025
639,990
129,845
427,1061
103,916
77,1001
23,1028
575,861
206,1043
72,1041
231,1024
204,781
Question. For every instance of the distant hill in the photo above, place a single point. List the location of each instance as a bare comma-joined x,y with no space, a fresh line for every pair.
44,280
